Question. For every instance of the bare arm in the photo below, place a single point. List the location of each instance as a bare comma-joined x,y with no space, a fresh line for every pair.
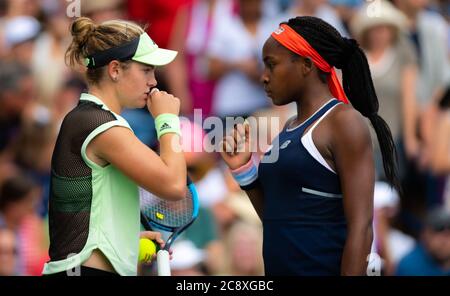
440,154
163,175
409,106
257,198
352,151
235,159
218,68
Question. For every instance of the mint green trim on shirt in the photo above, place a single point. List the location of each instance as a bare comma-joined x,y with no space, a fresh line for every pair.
93,99
92,135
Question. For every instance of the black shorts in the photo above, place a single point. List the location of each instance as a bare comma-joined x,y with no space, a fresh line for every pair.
82,271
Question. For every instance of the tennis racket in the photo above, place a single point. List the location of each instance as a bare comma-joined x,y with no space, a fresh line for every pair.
170,216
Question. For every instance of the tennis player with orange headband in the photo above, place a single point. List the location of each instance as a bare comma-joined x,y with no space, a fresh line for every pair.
316,200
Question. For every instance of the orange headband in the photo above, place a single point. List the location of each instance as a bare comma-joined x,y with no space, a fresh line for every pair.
296,43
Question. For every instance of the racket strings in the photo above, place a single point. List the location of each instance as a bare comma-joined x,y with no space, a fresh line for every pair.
164,212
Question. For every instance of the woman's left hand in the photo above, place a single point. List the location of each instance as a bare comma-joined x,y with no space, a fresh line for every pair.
156,237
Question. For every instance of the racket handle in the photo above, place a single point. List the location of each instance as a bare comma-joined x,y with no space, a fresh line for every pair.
163,260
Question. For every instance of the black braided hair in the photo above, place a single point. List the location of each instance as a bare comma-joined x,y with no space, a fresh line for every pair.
444,102
345,54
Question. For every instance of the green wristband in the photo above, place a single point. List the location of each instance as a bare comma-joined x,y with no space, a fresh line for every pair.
167,123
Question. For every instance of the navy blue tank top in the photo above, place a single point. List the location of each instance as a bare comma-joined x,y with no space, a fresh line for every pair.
303,219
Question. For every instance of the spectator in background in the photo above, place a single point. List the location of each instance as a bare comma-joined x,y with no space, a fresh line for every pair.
34,147
16,93
271,8
18,198
431,257
8,252
346,9
393,66
47,65
67,97
439,148
3,10
235,61
445,6
428,31
23,7
19,36
390,243
317,8
240,233
7,169
33,244
440,143
187,259
193,29
160,16
237,206
445,10
243,244
19,26
2,7
102,10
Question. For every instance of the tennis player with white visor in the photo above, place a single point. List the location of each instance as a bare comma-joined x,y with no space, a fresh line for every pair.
98,163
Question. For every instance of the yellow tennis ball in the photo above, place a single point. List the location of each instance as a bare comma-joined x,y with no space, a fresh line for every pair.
146,249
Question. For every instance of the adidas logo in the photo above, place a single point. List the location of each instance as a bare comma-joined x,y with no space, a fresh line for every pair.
164,126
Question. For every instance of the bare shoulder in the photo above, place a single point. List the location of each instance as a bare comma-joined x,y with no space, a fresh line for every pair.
116,139
349,125
347,115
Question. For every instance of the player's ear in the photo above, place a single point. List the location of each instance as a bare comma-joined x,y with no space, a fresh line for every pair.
303,65
307,66
114,70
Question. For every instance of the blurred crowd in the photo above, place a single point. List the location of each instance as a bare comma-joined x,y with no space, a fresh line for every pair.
217,72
